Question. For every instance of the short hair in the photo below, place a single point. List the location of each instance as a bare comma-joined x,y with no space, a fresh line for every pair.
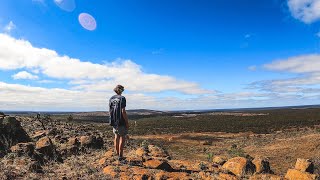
118,89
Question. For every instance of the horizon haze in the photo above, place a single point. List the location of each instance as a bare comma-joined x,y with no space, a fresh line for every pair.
68,55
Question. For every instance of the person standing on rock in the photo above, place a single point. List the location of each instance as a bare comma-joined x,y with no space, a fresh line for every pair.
118,119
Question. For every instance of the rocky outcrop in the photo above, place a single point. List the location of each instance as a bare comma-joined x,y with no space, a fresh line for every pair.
303,171
147,166
11,133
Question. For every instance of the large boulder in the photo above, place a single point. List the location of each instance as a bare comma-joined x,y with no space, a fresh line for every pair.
71,147
304,165
293,174
11,133
157,164
239,166
262,165
91,142
46,147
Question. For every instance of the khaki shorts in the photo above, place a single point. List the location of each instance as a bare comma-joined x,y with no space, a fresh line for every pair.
121,131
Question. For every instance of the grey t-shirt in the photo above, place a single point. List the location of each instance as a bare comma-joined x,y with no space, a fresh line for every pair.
116,103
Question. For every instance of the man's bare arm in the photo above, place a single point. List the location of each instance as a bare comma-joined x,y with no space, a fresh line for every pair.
124,114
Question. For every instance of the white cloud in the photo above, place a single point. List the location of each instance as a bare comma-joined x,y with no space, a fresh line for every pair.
306,80
19,54
307,11
9,27
24,75
298,64
21,97
46,81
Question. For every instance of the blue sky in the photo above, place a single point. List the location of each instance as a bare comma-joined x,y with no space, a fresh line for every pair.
169,54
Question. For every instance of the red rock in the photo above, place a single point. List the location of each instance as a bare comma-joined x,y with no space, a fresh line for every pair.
109,154
223,176
304,165
141,152
42,143
23,148
262,165
218,160
157,164
265,177
238,166
109,170
172,175
156,151
39,134
293,174
73,141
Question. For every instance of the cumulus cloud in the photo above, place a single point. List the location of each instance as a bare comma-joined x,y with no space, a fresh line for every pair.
307,11
24,75
21,97
21,54
9,27
304,83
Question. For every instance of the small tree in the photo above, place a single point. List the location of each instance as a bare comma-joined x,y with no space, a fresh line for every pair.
43,120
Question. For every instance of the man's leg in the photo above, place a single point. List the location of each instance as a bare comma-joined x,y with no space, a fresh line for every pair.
121,145
116,143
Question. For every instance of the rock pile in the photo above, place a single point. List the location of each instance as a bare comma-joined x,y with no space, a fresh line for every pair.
152,162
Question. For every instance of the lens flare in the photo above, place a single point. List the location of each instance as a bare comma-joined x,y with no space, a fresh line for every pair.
87,21
66,5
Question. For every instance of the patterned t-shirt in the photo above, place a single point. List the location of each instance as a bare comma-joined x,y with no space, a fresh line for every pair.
116,103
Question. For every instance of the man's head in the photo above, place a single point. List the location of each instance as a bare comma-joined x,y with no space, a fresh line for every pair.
118,89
